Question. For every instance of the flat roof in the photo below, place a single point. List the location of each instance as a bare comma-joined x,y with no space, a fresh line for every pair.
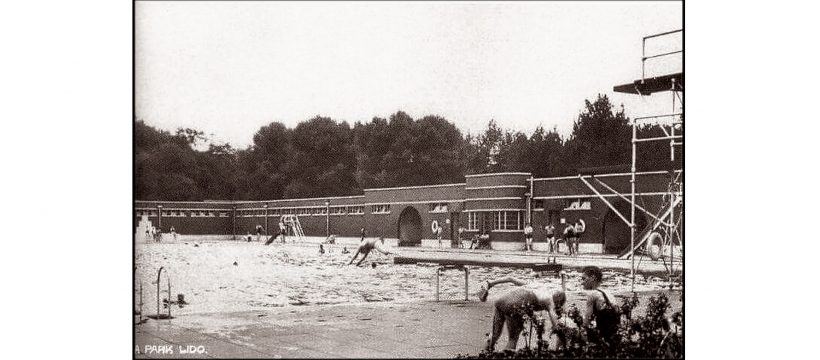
652,85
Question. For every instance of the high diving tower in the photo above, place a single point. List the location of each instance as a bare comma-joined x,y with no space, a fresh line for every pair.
665,228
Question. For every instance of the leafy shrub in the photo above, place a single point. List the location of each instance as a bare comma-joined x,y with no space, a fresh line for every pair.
650,336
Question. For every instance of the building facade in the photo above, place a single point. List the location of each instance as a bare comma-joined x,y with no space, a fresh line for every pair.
498,204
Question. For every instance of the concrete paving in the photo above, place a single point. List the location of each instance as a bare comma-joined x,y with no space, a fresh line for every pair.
423,329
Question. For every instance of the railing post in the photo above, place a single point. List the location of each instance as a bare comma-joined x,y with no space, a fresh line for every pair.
438,273
466,283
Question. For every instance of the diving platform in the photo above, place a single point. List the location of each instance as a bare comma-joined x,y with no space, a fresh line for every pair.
649,86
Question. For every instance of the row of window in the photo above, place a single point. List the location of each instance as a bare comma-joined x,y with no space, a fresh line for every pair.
317,210
495,220
183,213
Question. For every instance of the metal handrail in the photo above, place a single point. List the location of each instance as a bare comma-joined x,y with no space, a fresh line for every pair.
643,51
159,294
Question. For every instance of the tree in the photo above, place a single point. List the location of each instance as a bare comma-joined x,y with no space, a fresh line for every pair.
406,152
600,137
323,162
485,150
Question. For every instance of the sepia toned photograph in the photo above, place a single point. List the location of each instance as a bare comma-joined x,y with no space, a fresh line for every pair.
365,179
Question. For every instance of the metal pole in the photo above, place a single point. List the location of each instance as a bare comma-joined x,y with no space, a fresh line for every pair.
671,234
466,283
159,273
529,203
159,217
672,140
643,60
141,302
438,273
632,223
233,223
266,220
327,218
169,295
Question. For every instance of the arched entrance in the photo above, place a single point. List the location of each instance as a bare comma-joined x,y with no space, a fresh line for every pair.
410,227
616,231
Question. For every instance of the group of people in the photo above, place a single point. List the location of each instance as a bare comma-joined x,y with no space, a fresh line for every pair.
572,235
510,308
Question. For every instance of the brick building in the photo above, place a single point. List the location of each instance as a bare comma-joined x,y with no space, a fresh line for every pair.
500,204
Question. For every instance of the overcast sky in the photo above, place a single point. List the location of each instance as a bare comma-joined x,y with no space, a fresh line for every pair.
230,68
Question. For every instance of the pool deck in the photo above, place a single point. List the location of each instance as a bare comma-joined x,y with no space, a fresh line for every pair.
424,329
421,329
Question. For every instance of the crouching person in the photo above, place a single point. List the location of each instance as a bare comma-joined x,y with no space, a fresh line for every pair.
513,305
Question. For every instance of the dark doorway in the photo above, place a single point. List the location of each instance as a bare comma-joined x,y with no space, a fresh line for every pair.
410,227
616,231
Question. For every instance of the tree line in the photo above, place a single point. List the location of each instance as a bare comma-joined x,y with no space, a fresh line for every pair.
323,157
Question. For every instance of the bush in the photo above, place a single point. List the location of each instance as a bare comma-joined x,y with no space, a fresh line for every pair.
650,336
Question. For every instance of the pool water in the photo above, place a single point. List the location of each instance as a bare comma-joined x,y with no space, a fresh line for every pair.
239,276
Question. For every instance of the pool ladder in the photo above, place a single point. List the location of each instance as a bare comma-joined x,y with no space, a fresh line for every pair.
159,294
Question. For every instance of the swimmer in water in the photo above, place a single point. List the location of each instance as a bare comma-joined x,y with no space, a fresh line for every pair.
366,246
511,307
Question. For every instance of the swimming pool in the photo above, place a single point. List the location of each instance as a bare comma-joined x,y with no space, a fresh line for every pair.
282,275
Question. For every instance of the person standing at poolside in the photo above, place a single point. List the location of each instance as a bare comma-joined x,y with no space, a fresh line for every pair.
511,307
550,229
528,236
580,227
366,246
459,243
283,230
569,237
363,234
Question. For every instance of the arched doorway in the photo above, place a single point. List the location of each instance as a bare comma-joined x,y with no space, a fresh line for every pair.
616,231
410,227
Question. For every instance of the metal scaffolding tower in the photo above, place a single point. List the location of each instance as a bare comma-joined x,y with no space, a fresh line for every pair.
664,231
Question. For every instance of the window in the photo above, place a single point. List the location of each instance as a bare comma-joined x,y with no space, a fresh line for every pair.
338,210
538,204
223,214
320,211
380,209
507,220
578,204
438,207
472,221
355,210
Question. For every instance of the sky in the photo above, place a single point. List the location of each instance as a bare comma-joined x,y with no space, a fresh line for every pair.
229,68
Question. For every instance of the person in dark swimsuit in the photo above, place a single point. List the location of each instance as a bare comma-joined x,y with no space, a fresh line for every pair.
550,229
599,304
570,237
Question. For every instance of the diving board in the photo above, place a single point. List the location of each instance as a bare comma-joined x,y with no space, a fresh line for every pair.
550,265
537,266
